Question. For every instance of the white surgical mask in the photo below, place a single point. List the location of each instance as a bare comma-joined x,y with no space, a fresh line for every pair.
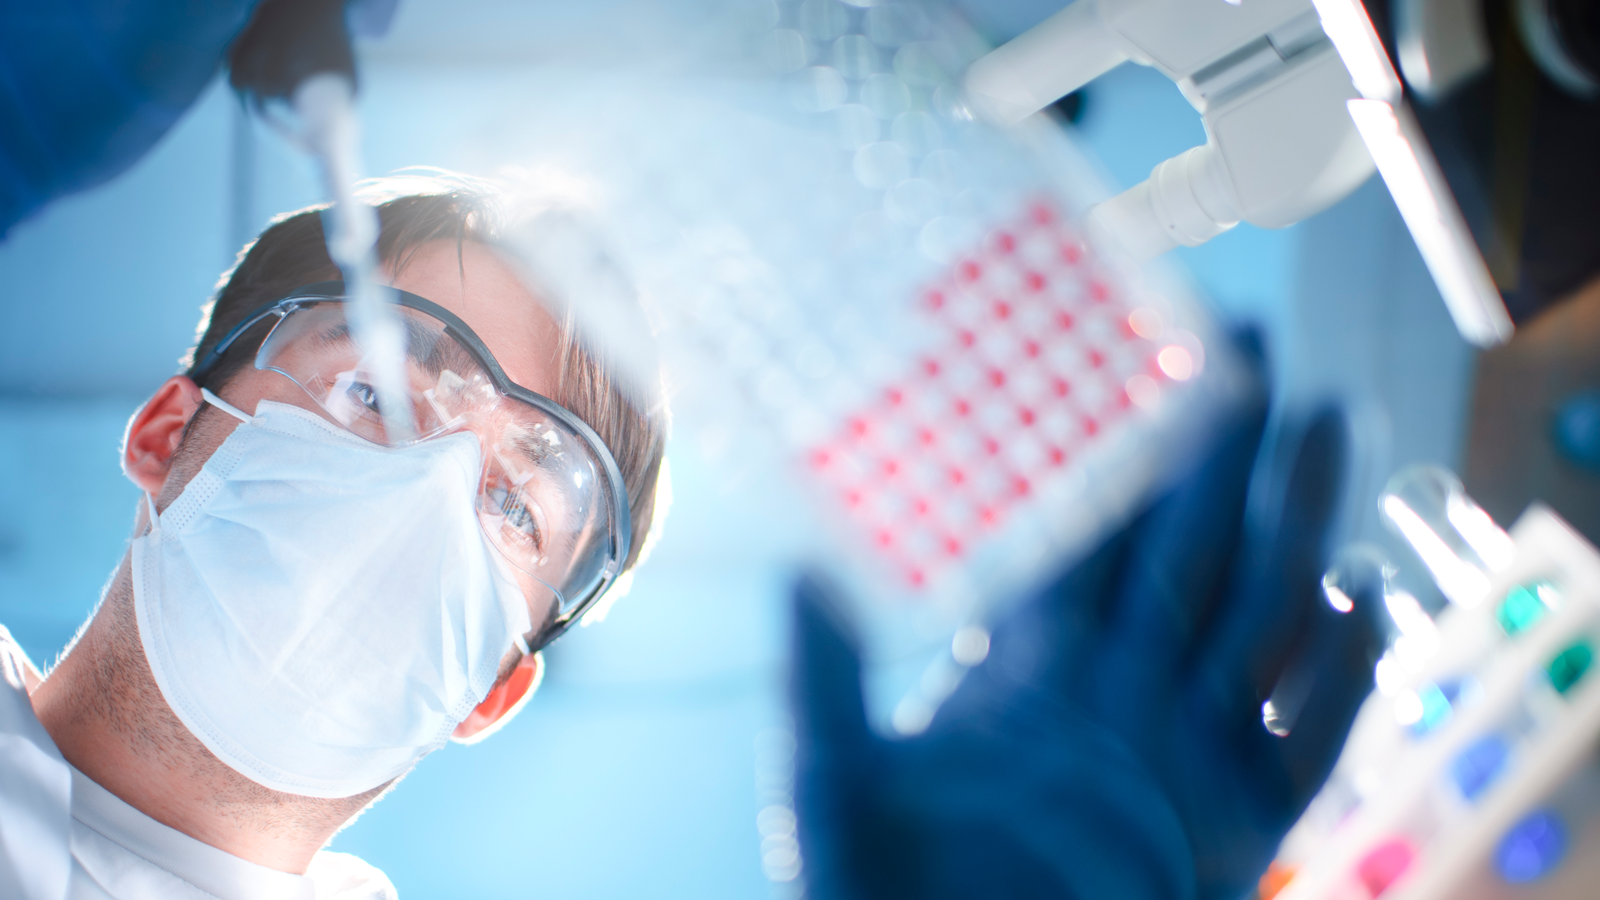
321,611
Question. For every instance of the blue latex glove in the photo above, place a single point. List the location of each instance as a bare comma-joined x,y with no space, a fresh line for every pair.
86,88
1111,745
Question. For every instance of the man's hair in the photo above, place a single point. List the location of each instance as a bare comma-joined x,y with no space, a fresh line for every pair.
413,211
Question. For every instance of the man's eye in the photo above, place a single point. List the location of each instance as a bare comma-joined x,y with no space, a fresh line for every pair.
365,394
518,517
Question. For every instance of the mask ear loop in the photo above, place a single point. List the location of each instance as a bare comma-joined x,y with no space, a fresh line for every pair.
225,406
154,525
150,512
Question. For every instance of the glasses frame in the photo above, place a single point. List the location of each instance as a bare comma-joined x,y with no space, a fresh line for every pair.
621,535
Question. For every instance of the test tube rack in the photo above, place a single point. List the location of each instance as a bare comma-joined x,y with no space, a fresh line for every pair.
1471,773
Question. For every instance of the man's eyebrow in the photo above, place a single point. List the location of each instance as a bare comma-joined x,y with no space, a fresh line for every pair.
422,343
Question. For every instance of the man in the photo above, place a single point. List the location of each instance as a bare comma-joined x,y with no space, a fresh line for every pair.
312,603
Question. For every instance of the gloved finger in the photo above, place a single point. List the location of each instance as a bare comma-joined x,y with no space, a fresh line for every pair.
826,685
1081,624
1292,505
833,744
1325,683
1315,702
1176,571
1049,639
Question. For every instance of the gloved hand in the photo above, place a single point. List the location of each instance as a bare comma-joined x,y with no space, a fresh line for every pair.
1111,745
86,88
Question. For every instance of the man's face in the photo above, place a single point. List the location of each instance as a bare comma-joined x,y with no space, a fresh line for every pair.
471,281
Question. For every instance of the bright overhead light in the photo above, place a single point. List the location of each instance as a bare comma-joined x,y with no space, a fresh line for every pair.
1401,154
1352,34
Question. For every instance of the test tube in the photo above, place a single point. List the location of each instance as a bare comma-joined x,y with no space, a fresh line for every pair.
1458,542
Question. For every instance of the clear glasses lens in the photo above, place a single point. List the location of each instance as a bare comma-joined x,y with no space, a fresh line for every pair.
543,501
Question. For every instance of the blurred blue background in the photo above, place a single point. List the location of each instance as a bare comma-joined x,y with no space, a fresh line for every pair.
640,767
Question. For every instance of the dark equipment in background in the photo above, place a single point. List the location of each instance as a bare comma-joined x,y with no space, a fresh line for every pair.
1508,94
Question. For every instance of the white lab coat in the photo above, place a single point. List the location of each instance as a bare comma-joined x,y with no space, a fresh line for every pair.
64,837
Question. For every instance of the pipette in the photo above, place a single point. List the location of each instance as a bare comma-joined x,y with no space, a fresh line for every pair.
324,105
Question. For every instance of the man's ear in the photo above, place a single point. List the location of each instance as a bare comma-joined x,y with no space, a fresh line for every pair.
155,432
503,702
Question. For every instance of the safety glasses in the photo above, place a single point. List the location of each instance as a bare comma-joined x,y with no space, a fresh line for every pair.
550,499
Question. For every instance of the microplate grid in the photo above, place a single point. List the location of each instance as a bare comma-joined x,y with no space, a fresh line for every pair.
1037,357
859,292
